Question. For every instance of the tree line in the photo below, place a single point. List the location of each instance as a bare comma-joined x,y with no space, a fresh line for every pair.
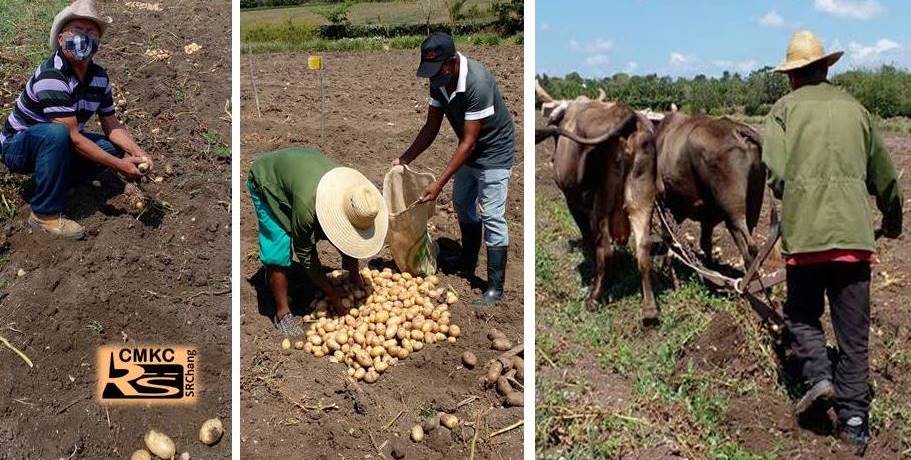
885,91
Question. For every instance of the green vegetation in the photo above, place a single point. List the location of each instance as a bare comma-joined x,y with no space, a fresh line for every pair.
665,401
886,91
360,25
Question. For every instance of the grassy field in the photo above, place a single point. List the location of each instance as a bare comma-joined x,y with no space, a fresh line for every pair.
661,404
368,44
395,12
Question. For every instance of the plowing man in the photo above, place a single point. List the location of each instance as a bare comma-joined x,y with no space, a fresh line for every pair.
45,135
466,93
824,156
301,197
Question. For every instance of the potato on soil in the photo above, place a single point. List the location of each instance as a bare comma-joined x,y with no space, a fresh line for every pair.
494,370
211,432
449,421
503,386
469,360
501,344
299,345
141,454
515,399
417,433
494,334
159,444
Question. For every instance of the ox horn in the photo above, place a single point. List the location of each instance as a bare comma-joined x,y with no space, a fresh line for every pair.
542,95
614,131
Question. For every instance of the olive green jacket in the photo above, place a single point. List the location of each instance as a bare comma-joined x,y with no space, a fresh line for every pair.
825,156
287,180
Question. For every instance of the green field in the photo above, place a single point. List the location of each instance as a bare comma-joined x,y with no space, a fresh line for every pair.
396,12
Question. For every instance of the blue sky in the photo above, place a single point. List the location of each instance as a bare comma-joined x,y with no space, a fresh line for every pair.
685,38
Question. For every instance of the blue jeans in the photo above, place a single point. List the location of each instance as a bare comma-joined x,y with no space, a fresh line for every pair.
485,190
46,150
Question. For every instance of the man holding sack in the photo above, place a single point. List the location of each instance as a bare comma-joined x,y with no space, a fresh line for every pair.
464,91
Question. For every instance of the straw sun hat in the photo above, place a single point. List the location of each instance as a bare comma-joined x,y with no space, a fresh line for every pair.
805,49
351,212
80,9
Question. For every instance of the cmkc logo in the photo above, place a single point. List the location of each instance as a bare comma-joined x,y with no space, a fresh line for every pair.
147,374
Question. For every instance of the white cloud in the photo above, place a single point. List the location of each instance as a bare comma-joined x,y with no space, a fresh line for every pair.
744,66
631,66
853,9
771,19
678,59
598,45
873,53
597,60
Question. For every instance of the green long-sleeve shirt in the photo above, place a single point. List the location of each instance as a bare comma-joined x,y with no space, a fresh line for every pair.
824,156
287,180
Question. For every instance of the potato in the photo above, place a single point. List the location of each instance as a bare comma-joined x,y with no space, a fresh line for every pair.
454,331
159,444
469,360
316,340
451,298
494,334
371,376
141,454
417,433
519,365
494,370
299,345
501,344
515,399
381,367
211,432
503,386
286,344
359,373
449,421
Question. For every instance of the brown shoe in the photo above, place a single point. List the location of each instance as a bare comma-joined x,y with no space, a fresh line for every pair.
57,226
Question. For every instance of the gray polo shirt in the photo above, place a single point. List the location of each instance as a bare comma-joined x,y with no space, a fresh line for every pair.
477,97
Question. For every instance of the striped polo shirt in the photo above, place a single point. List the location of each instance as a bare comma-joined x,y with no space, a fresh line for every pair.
477,97
54,91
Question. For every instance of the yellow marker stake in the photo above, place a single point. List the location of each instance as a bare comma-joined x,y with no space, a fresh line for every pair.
316,63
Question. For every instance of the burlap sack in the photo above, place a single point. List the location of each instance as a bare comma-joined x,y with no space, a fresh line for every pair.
409,241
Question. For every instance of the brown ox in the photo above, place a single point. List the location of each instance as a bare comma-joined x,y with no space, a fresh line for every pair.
710,171
604,163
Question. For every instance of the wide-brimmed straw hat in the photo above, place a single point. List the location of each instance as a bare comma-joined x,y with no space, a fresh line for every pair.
80,9
805,49
351,212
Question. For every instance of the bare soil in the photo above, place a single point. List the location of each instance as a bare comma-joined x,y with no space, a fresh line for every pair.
299,406
163,278
762,421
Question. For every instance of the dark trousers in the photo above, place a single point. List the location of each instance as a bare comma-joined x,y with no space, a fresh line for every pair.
46,150
847,285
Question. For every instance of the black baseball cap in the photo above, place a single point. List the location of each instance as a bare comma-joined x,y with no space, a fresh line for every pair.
435,50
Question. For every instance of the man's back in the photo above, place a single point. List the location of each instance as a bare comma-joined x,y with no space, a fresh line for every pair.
825,156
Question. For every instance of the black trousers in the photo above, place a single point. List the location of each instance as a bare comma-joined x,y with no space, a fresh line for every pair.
847,285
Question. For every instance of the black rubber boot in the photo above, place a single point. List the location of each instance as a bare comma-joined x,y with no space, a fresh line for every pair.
496,274
466,262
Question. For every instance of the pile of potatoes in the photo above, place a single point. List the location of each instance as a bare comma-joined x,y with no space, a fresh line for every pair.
394,315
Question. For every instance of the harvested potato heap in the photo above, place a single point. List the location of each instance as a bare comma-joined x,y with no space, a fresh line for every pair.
396,314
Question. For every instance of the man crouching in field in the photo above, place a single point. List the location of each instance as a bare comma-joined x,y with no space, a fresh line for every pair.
466,93
301,197
44,133
824,156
